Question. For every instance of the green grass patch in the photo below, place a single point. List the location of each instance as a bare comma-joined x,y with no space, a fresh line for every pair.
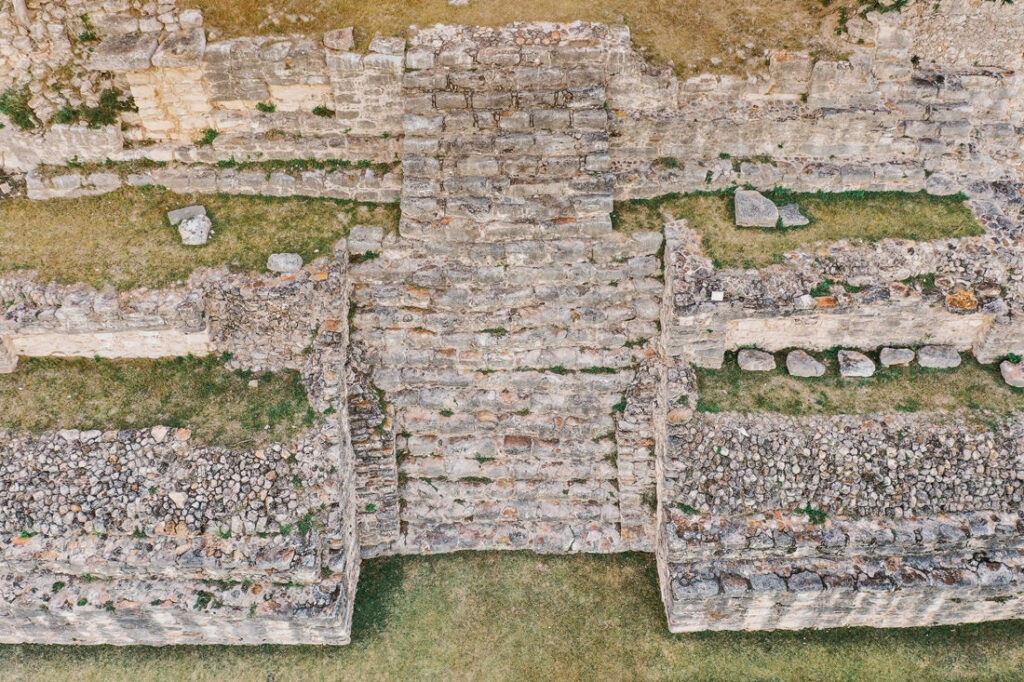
123,238
201,394
519,616
971,386
859,216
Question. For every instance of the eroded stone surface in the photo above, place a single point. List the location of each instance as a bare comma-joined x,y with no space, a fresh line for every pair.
896,357
1013,373
938,357
753,209
284,262
752,360
802,364
194,230
855,364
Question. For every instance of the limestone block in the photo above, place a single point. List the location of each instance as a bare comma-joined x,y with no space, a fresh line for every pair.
129,52
938,357
896,357
791,216
339,39
184,48
180,214
801,364
1013,373
753,209
855,364
8,357
284,262
195,230
752,360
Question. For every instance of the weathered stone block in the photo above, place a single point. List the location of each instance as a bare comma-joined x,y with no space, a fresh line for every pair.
129,52
184,48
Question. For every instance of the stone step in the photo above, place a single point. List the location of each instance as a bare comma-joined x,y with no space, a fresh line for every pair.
466,507
538,536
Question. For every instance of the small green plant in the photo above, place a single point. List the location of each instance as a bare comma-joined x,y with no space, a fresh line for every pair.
686,509
370,508
363,257
323,112
495,331
88,34
206,600
266,107
82,601
446,412
620,406
476,479
224,534
207,138
14,103
58,586
816,516
823,288
666,162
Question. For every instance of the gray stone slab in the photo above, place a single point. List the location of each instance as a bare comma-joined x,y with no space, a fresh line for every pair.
752,360
128,52
195,230
801,364
753,209
179,214
792,217
1013,373
284,262
895,357
184,48
855,364
938,357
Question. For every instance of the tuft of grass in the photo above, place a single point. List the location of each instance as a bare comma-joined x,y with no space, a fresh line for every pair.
105,113
520,616
902,389
196,393
323,112
207,138
266,107
686,34
14,104
859,216
123,238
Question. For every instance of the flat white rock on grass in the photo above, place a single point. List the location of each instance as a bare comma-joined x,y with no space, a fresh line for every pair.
1013,373
284,262
891,357
802,364
855,364
754,209
752,360
195,230
179,214
792,217
938,357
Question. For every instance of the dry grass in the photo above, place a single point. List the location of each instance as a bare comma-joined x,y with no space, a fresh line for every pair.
864,216
491,616
123,238
685,33
217,404
902,389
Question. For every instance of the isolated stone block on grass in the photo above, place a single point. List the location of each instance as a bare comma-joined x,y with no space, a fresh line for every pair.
284,262
855,364
802,364
938,357
752,360
754,209
896,357
1013,373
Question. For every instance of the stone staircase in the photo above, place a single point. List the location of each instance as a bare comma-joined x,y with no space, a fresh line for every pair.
511,316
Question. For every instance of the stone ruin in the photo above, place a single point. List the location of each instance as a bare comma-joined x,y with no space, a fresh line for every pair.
511,372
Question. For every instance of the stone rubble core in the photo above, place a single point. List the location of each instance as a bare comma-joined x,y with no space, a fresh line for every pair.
510,372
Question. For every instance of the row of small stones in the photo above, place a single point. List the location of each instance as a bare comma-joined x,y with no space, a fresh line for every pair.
853,363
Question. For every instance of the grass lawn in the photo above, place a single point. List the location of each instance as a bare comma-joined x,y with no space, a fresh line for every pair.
519,616
903,389
865,216
687,33
123,238
201,394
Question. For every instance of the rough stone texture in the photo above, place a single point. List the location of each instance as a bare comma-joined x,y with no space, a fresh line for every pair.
802,364
755,360
1013,373
177,215
938,357
896,357
284,262
855,364
753,209
143,537
791,216
195,230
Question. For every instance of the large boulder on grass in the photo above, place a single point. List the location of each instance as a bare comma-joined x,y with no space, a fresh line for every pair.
754,209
